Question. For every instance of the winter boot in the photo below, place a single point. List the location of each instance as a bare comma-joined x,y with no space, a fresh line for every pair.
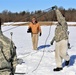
67,63
57,69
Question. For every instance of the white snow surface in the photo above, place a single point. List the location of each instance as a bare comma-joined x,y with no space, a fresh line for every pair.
10,23
31,58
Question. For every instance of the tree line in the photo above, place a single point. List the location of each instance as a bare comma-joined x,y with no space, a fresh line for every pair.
8,16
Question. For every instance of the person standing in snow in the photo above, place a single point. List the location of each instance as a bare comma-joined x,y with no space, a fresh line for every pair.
61,39
35,29
8,56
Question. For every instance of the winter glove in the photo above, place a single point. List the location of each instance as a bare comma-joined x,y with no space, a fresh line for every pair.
40,34
69,46
51,43
29,30
54,7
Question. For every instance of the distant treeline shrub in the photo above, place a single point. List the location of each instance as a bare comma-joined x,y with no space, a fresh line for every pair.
8,16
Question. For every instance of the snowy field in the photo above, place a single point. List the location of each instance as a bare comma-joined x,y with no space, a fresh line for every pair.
32,62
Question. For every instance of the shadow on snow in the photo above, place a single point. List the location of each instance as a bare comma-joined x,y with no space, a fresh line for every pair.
43,46
72,60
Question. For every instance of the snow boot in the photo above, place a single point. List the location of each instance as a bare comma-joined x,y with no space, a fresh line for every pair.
67,63
57,69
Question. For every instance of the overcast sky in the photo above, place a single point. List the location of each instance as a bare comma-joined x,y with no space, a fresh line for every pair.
32,5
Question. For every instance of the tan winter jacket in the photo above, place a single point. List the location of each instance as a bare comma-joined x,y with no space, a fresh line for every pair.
35,28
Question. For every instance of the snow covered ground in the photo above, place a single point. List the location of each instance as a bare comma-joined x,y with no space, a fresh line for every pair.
14,23
32,58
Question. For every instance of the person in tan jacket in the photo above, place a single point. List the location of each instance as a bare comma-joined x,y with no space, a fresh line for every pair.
35,29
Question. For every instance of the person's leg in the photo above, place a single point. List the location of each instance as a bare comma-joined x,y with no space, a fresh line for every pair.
57,55
33,41
63,51
36,41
